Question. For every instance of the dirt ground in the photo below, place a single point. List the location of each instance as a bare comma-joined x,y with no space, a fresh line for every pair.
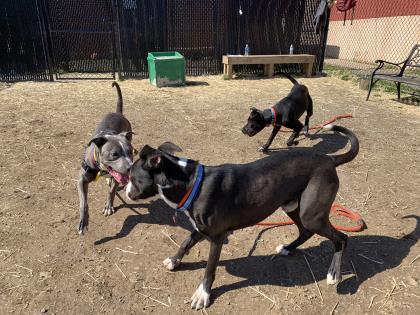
116,268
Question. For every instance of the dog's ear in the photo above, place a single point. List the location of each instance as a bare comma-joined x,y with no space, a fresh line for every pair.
255,112
152,156
145,151
154,161
169,147
98,140
127,134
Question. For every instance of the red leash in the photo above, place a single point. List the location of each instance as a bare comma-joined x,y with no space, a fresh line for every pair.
335,118
336,208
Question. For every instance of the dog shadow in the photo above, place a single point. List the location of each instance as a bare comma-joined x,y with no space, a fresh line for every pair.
196,83
159,213
328,143
413,100
365,257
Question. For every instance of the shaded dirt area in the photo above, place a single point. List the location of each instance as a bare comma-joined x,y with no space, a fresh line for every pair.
117,267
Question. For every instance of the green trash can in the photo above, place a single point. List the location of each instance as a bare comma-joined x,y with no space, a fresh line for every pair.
166,68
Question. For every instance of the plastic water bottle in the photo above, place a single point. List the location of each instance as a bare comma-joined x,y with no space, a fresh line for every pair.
291,50
247,50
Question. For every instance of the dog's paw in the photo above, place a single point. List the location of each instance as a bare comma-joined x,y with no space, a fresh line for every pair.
171,263
263,149
82,227
108,210
200,298
83,222
333,279
282,251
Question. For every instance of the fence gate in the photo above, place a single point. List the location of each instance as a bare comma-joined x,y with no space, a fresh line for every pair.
82,38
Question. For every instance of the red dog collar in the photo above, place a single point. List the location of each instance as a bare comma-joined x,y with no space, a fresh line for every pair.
273,117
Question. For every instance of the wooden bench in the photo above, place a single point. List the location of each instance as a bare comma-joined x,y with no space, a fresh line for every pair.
268,61
413,79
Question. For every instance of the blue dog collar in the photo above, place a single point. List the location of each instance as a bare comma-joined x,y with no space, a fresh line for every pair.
191,194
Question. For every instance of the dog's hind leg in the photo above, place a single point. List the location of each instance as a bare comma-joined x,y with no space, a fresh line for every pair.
315,205
172,262
109,205
297,127
304,234
270,139
309,113
340,242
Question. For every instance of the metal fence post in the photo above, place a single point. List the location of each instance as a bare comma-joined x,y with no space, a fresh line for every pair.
44,36
324,41
117,39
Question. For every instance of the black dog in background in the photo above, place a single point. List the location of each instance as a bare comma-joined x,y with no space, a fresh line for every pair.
284,113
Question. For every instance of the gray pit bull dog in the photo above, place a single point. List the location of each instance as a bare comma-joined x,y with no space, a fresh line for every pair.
224,198
109,151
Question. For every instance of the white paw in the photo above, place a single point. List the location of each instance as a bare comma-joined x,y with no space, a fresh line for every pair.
200,298
170,263
262,149
128,189
107,211
281,250
331,280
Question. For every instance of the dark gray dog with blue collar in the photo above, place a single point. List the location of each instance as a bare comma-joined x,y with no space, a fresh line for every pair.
286,113
228,197
109,151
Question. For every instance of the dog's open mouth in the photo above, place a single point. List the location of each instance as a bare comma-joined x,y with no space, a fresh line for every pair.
122,179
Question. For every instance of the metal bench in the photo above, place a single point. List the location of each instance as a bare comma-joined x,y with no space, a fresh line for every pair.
268,61
411,79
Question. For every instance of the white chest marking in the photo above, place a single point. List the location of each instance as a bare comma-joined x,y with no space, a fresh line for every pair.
191,220
171,204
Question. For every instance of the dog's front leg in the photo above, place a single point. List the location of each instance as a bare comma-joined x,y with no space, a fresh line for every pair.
82,187
270,139
172,262
109,206
201,297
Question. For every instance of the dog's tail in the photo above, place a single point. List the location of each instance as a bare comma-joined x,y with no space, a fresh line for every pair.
354,145
120,100
293,80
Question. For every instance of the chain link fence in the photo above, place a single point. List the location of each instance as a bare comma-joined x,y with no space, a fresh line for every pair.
80,39
205,30
23,47
376,29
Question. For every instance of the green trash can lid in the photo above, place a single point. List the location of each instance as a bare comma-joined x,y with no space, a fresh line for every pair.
162,55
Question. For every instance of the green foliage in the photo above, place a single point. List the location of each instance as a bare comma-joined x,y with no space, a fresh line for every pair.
382,85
